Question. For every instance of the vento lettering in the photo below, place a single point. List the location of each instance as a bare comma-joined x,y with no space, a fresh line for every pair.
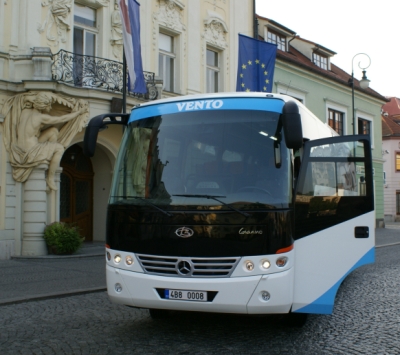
200,105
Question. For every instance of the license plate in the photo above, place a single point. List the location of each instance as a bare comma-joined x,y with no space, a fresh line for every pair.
199,296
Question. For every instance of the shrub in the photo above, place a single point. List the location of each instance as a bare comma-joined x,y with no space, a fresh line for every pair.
62,238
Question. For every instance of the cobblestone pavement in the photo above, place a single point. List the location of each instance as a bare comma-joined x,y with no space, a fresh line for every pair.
24,279
366,320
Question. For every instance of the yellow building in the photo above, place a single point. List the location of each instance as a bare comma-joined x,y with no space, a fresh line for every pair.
60,65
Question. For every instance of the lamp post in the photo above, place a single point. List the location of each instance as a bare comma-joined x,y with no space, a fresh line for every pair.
364,82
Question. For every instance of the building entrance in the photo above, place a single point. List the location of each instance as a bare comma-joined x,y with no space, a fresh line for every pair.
76,191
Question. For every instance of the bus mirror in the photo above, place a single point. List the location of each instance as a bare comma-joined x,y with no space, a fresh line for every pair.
89,142
291,122
98,123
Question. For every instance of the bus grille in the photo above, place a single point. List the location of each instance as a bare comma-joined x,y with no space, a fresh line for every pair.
187,267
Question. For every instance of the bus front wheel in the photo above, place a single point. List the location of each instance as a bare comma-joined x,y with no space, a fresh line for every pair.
296,320
158,313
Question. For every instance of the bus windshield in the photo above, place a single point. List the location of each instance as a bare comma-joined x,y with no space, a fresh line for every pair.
218,160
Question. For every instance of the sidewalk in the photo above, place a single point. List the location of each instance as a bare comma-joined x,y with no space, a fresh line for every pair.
387,236
33,278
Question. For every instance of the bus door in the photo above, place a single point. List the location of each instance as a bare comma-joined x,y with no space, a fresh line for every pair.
334,219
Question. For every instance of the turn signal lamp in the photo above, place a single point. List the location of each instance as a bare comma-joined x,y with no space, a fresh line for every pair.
281,262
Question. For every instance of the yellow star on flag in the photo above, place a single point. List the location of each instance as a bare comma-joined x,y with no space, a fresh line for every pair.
267,81
249,62
241,75
263,65
265,73
247,90
244,66
242,85
257,61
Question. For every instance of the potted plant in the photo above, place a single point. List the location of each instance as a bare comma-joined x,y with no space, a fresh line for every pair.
62,238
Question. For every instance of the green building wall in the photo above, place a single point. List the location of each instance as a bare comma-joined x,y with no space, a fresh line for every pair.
319,92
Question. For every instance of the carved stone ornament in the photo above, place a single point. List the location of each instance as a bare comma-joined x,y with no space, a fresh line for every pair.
94,3
170,15
215,31
116,32
58,16
37,128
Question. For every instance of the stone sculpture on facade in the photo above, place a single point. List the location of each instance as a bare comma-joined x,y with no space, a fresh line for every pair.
33,136
170,14
57,14
116,32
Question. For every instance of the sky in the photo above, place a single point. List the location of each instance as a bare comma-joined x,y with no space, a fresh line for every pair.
348,27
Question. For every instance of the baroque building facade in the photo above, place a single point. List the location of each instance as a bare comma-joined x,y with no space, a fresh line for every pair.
60,65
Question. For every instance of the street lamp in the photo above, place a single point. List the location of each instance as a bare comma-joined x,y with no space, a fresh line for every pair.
364,82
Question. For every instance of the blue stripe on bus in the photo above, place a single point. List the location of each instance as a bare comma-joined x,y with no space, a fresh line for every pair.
324,304
260,104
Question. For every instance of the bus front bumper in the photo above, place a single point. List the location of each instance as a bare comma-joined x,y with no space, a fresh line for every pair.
232,295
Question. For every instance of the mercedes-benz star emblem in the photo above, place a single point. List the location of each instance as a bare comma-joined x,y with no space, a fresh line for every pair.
184,232
184,267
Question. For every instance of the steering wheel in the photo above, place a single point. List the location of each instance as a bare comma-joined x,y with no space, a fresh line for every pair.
254,188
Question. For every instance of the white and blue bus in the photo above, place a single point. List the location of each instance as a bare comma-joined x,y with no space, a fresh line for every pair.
236,203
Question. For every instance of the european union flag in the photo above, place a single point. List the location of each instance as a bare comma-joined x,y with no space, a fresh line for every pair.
256,65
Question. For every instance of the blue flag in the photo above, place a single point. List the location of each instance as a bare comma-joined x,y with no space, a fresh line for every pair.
256,65
130,17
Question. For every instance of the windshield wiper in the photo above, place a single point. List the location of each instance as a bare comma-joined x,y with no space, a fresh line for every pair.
148,202
212,197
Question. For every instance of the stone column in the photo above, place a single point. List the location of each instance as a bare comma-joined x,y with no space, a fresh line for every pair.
53,200
41,57
35,213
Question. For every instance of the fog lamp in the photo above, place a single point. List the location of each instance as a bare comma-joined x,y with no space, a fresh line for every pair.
265,295
249,265
265,264
129,260
281,262
117,258
118,288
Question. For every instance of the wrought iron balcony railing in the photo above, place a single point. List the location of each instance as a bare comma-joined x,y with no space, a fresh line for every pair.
94,72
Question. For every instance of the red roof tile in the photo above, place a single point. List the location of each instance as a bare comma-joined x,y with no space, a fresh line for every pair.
391,125
297,58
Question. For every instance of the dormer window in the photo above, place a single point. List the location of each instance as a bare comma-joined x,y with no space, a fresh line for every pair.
278,39
320,61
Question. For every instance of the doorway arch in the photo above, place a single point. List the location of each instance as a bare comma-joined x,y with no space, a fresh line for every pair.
76,191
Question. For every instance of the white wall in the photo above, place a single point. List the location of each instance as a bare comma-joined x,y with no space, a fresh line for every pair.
392,178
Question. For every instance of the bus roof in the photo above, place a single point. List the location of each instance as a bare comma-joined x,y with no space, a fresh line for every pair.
313,128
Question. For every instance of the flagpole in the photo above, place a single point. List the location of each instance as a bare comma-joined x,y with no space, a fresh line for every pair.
255,21
123,82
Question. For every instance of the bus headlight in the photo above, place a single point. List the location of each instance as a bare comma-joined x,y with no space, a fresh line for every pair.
129,260
265,264
108,256
249,265
281,262
117,258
